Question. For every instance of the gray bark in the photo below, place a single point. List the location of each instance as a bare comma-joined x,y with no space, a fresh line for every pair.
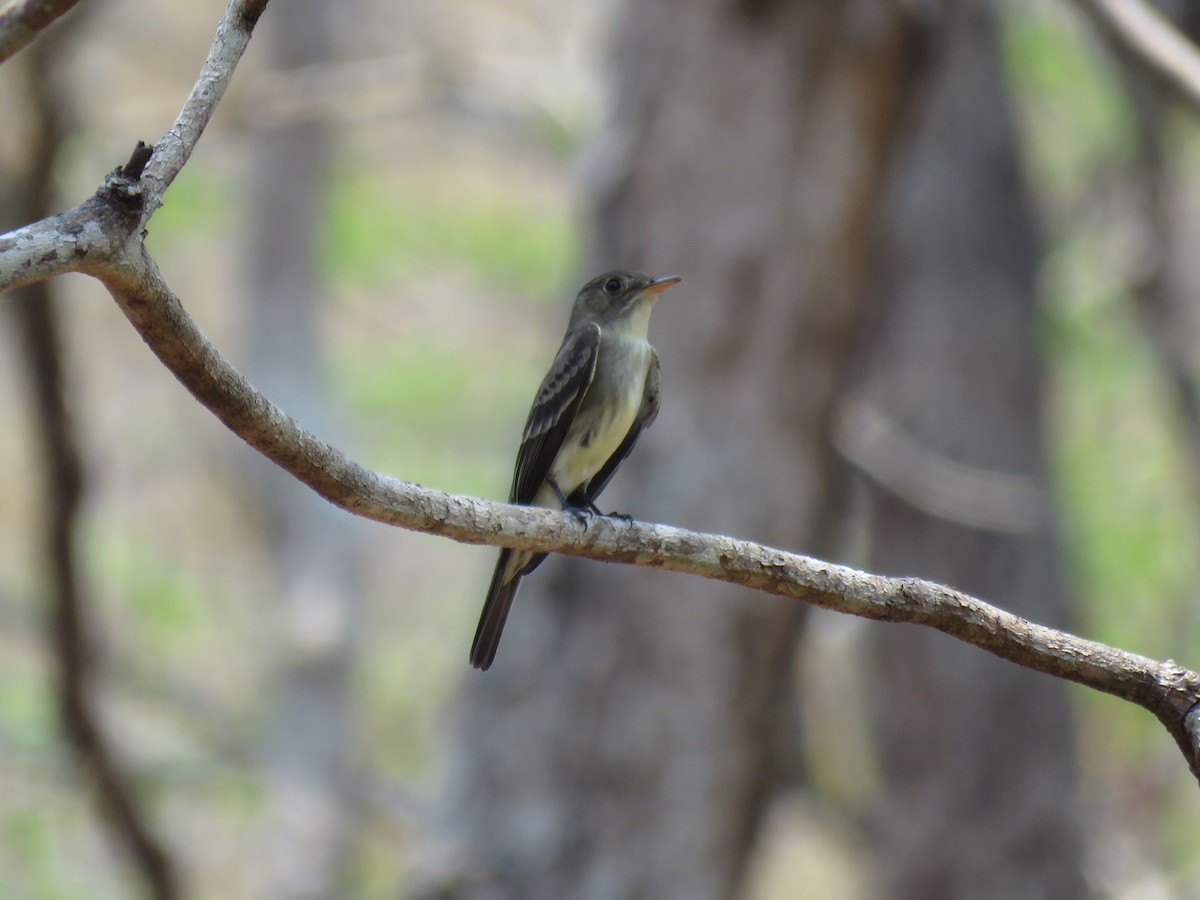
979,757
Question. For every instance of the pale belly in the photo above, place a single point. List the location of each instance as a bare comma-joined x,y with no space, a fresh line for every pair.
595,436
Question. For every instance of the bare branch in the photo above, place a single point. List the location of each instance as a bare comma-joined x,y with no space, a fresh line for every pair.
175,147
68,242
101,228
102,237
932,483
1153,40
1167,690
23,20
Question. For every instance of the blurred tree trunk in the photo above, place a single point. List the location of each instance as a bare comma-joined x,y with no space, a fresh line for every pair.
978,755
309,544
624,744
47,113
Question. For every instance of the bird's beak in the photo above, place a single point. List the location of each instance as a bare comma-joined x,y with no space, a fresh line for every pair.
658,285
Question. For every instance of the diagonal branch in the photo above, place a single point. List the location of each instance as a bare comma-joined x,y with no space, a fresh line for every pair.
100,228
103,237
1169,691
21,21
1153,40
175,147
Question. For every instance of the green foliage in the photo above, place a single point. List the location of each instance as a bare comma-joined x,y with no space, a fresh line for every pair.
1127,499
385,229
28,721
1077,119
46,871
1131,529
201,201
166,603
424,410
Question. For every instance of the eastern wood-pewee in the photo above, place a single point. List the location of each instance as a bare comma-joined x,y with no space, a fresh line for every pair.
600,393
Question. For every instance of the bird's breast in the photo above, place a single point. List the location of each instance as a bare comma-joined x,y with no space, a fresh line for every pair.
607,413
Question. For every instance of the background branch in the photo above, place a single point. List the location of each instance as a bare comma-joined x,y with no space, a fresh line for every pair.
1153,40
23,20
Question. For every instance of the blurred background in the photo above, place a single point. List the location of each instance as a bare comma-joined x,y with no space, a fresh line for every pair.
937,320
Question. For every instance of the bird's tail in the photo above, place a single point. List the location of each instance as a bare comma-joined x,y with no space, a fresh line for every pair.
505,581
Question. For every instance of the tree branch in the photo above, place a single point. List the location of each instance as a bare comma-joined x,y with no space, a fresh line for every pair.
1152,39
1169,691
175,147
103,237
67,242
100,229
23,20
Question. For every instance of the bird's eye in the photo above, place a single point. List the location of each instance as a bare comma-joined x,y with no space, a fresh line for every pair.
612,285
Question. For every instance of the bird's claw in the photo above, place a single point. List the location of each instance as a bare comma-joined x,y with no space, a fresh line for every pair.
582,514
595,510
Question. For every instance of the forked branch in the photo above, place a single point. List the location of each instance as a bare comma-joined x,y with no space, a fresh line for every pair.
103,237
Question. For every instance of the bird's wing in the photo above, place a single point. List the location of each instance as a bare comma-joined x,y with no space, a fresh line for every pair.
554,410
645,417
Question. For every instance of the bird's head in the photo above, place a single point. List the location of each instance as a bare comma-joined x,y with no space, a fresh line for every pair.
617,295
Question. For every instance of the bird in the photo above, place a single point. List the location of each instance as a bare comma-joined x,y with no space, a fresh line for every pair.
601,393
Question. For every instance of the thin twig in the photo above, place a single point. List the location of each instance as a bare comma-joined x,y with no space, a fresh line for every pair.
175,147
73,653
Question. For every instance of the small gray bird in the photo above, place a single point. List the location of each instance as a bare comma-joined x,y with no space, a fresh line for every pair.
600,393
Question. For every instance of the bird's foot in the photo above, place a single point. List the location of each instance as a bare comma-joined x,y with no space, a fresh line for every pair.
582,514
597,511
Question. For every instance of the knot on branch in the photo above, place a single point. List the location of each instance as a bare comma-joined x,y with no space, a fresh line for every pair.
909,592
137,161
122,189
